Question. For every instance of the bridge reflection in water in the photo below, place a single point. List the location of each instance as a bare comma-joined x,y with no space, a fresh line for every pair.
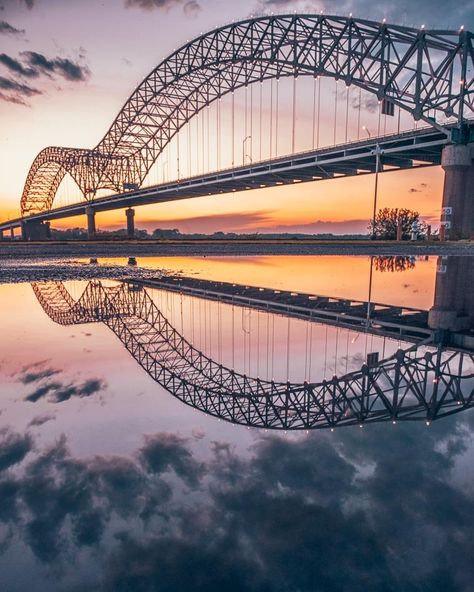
421,382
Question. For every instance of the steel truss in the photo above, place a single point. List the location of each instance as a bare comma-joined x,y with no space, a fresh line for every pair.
427,73
404,387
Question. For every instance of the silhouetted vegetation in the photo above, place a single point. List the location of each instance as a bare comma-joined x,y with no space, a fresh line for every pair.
393,263
387,221
175,234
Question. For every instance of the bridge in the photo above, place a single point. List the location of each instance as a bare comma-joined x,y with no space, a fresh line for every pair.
409,386
450,321
426,74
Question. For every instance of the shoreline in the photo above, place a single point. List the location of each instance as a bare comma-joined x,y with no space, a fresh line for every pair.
216,247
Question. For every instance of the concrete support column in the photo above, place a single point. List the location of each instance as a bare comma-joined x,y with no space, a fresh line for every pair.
91,231
1,235
458,169
35,230
130,222
12,233
453,308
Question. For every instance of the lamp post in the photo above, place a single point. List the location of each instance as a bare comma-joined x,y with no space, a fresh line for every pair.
377,153
376,187
243,149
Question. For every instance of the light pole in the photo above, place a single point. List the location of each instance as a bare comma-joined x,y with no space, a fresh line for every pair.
376,187
243,149
377,153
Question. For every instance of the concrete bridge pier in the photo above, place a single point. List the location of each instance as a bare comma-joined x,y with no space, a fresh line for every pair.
130,212
453,308
91,230
458,195
35,230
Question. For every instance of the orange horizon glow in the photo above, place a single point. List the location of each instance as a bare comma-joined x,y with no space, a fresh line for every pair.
79,114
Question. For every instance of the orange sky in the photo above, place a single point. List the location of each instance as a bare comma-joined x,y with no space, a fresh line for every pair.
78,113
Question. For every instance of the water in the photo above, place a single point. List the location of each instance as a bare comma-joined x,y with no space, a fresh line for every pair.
109,482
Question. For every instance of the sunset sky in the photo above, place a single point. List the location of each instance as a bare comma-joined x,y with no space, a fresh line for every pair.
67,67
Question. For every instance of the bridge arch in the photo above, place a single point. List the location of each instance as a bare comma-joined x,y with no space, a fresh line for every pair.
421,71
405,386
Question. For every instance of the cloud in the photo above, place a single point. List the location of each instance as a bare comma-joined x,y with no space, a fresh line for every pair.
17,67
36,65
16,92
251,222
13,448
163,452
288,512
40,420
7,29
191,8
212,223
57,392
36,376
63,67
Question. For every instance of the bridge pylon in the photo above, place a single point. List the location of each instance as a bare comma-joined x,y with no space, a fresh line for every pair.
458,194
130,212
34,230
91,228
453,307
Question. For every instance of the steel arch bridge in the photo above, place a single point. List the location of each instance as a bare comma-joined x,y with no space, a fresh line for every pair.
404,387
427,73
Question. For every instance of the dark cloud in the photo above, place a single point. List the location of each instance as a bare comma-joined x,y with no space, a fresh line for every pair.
329,512
37,375
42,391
7,29
191,8
63,67
36,65
152,4
58,392
40,420
13,448
164,452
16,92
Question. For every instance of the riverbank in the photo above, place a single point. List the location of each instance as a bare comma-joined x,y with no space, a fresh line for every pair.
215,248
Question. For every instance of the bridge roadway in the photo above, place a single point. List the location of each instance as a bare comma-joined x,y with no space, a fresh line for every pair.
416,148
398,322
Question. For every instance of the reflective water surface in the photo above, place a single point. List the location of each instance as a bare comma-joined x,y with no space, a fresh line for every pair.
130,457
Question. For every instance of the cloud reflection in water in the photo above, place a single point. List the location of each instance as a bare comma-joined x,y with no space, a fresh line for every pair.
355,510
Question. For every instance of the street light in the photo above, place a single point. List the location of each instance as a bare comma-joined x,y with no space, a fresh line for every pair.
377,153
243,149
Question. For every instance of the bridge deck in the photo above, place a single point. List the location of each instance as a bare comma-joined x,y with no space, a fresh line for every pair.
412,149
409,324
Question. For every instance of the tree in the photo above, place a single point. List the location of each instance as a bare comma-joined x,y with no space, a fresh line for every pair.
393,263
388,219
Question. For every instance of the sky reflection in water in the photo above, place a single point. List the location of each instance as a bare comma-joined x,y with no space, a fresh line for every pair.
108,483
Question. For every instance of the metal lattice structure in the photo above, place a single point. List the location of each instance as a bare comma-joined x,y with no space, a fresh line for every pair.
427,73
404,387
